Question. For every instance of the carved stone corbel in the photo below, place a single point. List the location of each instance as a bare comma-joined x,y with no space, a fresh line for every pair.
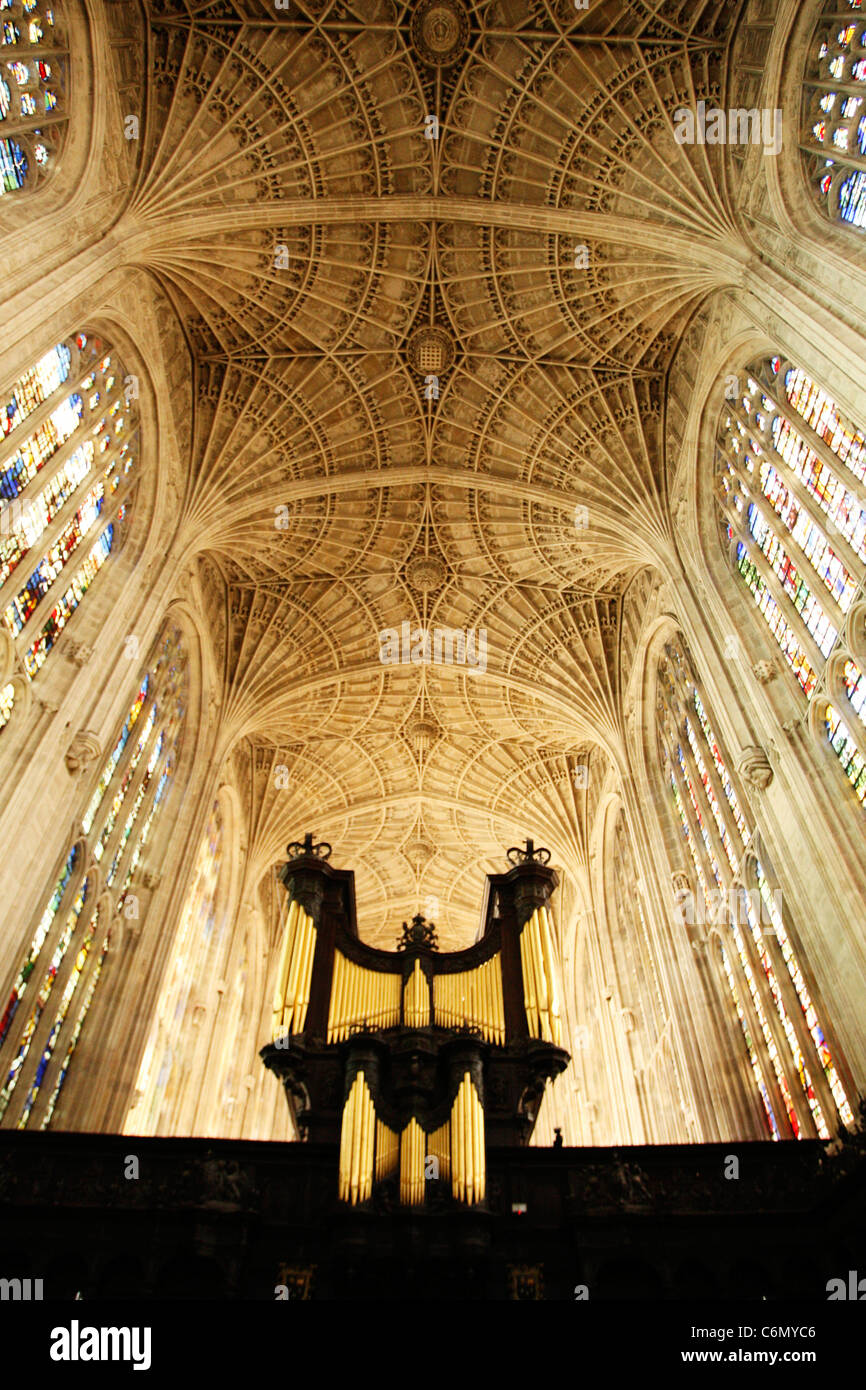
755,768
82,751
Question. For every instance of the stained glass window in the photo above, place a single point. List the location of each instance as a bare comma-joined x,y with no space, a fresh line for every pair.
68,456
790,1061
49,996
789,470
33,78
834,112
194,965
655,1068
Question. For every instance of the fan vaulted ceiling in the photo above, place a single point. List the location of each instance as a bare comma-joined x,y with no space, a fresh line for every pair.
306,228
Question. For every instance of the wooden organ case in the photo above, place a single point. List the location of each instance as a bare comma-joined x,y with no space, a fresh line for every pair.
414,1060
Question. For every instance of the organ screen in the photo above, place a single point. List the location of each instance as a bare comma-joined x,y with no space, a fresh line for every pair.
413,1060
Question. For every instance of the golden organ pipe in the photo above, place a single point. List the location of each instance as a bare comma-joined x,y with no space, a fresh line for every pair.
363,1126
404,1159
299,966
332,1000
305,972
547,943
352,969
467,1141
470,1142
359,1161
292,982
367,1137
345,1149
414,1154
489,1011
283,971
347,1142
481,1164
353,994
460,1186
306,981
528,985
349,1121
409,1157
544,979
356,1141
367,996
540,991
461,1138
482,1160
461,1145
537,983
473,1145
384,1150
341,998
357,1136
344,1001
455,1162
337,997
282,986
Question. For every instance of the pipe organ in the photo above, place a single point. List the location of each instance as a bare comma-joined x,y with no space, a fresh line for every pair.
360,996
536,959
472,999
295,971
414,1060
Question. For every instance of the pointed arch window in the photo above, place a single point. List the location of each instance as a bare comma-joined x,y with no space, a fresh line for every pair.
68,455
789,475
791,1063
194,966
655,1065
834,112
33,99
48,999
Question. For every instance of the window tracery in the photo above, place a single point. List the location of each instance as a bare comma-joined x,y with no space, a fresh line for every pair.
790,1060
834,112
68,455
33,73
193,965
788,468
51,993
